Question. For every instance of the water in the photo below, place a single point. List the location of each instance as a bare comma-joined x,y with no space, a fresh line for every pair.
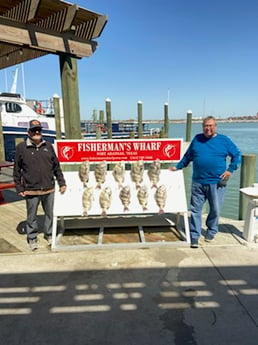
245,136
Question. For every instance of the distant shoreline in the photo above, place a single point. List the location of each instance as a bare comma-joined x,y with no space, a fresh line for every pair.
200,121
237,120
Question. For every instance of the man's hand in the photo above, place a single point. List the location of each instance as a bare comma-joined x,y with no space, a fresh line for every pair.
226,175
172,169
62,189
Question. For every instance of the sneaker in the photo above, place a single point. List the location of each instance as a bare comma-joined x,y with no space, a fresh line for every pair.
209,238
33,244
48,239
194,244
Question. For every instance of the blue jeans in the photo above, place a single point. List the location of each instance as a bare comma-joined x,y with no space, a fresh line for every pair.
215,196
32,203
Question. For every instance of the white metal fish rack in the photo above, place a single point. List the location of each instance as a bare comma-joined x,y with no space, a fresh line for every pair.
68,206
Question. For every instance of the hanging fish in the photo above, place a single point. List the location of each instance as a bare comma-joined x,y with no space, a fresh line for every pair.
87,200
142,196
119,173
125,197
160,197
100,173
105,200
154,172
137,170
84,170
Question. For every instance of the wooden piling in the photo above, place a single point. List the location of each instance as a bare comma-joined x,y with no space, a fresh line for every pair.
56,103
98,132
247,178
139,110
166,121
70,92
2,148
109,118
188,126
101,116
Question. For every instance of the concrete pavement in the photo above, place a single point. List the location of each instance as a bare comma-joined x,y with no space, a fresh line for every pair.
156,296
165,295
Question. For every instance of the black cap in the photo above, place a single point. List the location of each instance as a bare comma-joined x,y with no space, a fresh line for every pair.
35,124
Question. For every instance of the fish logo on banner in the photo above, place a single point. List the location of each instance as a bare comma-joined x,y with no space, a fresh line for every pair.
67,152
169,150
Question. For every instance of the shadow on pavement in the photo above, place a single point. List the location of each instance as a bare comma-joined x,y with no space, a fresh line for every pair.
130,306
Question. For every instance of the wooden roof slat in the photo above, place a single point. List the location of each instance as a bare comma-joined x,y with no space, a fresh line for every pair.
85,30
101,22
19,12
71,13
40,27
42,40
34,4
54,22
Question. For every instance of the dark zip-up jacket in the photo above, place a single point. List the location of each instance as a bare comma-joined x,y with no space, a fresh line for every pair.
36,167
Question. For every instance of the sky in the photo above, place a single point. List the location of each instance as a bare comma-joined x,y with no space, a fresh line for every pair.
198,55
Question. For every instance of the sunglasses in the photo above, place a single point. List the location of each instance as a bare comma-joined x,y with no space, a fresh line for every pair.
36,130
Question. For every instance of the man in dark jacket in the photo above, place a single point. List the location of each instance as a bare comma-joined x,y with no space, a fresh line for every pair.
36,167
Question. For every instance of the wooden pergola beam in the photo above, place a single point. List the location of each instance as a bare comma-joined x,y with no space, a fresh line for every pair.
33,9
32,28
32,37
71,13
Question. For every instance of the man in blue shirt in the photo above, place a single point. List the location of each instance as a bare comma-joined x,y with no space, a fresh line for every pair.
208,151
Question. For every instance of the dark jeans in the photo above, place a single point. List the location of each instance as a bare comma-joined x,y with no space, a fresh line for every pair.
215,196
32,203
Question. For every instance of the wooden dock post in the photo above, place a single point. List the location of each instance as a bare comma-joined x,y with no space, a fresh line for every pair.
166,121
98,132
101,116
139,111
247,178
56,103
109,118
2,148
70,92
188,126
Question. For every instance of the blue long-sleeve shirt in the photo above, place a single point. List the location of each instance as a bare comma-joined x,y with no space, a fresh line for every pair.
209,157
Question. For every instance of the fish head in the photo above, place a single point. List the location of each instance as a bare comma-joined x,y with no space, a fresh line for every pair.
108,191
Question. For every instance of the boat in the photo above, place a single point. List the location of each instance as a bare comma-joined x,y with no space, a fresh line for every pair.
17,112
120,129
16,115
